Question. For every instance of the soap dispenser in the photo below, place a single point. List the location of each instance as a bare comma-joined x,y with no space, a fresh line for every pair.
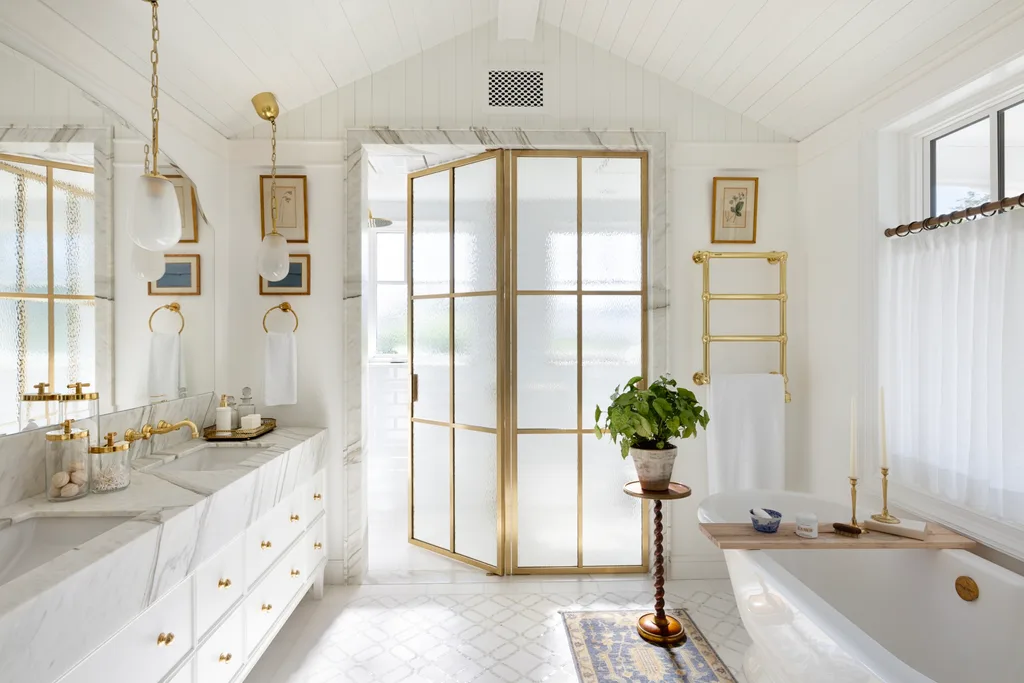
224,415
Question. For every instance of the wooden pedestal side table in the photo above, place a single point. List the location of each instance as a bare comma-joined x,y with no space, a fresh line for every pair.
659,628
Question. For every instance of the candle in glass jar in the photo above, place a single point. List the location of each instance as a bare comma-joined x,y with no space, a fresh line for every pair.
881,429
853,437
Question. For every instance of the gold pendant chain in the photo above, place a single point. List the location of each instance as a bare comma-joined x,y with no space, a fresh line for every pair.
273,176
154,88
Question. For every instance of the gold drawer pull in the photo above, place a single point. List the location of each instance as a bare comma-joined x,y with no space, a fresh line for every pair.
266,607
317,496
224,583
294,518
165,639
317,546
264,545
295,573
224,657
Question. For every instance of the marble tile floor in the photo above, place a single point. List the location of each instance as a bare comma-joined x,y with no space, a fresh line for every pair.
500,631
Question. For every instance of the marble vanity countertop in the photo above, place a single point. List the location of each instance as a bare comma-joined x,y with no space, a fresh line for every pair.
54,615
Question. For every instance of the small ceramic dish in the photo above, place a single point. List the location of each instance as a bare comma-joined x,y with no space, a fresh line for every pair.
766,526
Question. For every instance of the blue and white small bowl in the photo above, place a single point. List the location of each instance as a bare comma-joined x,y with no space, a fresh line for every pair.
766,526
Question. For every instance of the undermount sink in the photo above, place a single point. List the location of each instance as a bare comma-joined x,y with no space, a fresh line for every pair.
34,542
213,458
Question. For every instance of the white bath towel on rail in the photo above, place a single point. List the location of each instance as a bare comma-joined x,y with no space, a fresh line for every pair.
747,432
166,367
280,369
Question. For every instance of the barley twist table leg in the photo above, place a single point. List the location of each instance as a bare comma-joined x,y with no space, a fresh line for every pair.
659,628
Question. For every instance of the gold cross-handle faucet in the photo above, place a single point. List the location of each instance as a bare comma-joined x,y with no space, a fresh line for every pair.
162,427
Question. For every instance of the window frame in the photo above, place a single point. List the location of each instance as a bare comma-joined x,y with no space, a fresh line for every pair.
375,356
50,297
997,161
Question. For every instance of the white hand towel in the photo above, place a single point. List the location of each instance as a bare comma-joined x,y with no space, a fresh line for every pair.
166,366
747,432
280,369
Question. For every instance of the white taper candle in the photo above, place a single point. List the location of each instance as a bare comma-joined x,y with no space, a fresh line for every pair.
881,428
853,437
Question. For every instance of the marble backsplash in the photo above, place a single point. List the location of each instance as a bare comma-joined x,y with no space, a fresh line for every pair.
23,473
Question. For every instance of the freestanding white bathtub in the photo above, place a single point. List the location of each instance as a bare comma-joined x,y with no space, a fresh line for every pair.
864,616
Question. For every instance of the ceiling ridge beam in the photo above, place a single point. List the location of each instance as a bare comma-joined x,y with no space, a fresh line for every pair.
518,19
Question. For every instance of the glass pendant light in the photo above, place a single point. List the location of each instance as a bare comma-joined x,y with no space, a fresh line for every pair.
272,258
154,218
147,265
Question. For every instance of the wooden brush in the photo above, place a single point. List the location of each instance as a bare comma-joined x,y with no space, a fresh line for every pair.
847,530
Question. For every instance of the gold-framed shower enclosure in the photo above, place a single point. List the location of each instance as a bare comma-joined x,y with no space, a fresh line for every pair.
507,296
779,258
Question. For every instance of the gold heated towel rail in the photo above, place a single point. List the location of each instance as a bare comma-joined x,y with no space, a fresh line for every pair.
703,258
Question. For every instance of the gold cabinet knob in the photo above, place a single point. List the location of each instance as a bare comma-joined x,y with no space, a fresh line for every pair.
264,545
294,518
224,583
317,496
224,657
266,608
165,639
295,573
318,546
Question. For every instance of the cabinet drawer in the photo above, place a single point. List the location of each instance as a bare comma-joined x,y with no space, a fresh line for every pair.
220,582
295,514
293,571
262,608
148,647
184,675
316,495
264,542
315,544
223,654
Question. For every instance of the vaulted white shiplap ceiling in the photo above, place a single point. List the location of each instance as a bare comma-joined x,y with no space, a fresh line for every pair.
792,65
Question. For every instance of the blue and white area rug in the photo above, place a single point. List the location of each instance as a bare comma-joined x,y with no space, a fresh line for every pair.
607,649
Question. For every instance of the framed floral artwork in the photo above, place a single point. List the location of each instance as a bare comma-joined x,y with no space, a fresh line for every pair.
734,211
292,216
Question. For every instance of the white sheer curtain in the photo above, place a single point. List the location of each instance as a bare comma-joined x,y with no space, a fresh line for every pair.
952,363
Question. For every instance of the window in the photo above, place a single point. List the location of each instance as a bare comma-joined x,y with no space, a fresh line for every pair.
979,161
47,280
389,330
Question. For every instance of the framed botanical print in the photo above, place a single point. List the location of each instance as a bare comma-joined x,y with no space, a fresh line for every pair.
181,277
296,282
734,211
186,192
292,216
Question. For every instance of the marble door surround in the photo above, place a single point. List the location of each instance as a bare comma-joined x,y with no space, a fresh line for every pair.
360,144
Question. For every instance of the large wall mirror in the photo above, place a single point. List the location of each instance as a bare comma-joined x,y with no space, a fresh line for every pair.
72,305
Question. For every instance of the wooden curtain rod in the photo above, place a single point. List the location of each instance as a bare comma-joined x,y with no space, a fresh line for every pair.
987,209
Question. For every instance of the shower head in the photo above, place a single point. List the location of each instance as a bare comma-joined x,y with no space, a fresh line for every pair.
377,222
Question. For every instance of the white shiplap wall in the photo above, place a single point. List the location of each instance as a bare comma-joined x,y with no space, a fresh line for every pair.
32,95
445,86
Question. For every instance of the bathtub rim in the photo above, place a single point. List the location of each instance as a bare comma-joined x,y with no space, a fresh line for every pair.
862,647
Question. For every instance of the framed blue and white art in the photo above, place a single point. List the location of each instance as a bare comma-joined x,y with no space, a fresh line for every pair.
181,277
296,282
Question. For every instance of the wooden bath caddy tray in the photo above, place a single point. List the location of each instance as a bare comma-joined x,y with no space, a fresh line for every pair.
743,537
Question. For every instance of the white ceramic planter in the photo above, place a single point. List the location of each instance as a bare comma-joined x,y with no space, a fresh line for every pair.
654,468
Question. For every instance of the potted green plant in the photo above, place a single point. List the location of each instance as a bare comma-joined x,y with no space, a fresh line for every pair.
644,421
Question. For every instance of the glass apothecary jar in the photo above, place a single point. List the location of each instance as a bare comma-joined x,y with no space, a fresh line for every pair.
67,463
111,465
81,406
38,409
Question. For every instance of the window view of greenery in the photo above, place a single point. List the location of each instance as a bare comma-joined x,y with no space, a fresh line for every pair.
962,163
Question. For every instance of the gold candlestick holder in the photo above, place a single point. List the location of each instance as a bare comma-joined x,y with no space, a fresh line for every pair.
884,517
853,501
853,529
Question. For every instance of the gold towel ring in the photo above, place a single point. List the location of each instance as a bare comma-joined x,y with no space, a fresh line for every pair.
173,308
287,308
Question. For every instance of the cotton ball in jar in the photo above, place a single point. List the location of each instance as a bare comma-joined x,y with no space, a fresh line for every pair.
60,480
70,491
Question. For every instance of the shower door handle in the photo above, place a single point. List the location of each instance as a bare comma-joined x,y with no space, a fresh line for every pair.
415,388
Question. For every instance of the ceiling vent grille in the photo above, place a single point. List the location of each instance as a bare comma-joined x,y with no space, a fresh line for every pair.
518,88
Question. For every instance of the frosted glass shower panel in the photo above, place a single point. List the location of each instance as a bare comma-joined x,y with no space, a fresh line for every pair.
546,223
476,495
546,471
612,345
431,359
476,361
612,240
431,494
431,234
546,362
476,226
612,522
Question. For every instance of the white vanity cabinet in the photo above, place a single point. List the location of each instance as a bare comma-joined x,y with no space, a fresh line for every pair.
212,627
